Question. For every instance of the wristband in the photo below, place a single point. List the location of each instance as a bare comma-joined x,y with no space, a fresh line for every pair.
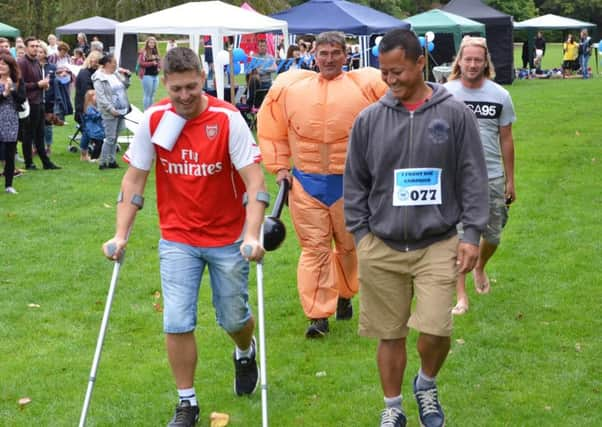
137,200
262,196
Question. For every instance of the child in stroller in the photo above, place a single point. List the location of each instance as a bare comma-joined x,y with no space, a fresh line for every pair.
92,127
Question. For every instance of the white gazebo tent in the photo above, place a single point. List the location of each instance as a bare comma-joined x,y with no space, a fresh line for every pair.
552,22
196,19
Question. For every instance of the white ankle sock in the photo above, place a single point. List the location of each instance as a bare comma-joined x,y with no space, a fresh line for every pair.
188,394
244,353
393,402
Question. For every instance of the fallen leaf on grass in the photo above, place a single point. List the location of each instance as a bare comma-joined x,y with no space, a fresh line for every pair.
33,305
321,374
157,294
219,419
106,205
578,347
548,408
519,316
577,133
460,341
24,401
158,308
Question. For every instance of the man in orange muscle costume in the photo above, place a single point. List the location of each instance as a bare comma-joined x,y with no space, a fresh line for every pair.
304,122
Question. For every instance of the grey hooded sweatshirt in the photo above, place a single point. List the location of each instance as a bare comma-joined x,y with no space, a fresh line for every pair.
442,133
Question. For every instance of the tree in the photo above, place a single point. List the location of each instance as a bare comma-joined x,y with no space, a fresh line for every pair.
519,9
584,10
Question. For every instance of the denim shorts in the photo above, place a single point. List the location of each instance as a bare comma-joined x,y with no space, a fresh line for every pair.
182,269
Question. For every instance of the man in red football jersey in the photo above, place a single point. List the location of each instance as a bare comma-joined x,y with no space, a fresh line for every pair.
205,160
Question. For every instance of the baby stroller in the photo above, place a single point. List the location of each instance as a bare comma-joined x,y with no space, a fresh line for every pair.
248,107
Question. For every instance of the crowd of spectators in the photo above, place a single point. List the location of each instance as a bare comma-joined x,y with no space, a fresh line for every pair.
37,78
576,52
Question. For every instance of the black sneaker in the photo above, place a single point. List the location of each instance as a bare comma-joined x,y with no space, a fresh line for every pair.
429,409
31,167
113,165
317,328
102,166
246,372
392,417
344,309
51,166
186,415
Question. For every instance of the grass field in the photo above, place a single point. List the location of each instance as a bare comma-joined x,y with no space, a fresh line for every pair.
525,355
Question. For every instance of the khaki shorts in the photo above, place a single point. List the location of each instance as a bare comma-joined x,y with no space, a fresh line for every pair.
498,212
389,279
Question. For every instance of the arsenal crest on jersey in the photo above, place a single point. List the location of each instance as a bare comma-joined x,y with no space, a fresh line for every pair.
211,131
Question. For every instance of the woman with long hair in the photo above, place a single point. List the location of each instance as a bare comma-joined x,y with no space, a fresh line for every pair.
83,83
293,58
110,84
149,62
82,43
12,95
570,50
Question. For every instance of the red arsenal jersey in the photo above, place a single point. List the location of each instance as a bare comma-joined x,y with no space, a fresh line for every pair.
199,191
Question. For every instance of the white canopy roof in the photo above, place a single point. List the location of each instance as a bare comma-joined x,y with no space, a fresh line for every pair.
552,22
196,19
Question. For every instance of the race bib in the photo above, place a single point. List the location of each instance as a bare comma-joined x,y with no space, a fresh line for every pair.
417,187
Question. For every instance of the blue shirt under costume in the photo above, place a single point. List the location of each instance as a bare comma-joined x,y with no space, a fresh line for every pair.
326,188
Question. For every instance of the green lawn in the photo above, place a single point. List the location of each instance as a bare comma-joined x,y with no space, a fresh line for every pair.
525,355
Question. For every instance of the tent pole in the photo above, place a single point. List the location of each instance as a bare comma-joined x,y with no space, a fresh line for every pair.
232,82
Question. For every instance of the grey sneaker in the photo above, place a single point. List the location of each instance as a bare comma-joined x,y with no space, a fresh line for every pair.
430,411
186,415
392,417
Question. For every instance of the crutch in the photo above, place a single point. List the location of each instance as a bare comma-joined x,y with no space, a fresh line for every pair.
276,234
101,336
261,326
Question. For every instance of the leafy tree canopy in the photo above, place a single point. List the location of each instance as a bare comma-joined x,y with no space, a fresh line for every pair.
41,17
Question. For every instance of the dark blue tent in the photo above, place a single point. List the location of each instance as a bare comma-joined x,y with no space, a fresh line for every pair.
316,16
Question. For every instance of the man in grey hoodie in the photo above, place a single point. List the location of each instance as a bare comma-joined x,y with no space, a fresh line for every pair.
415,168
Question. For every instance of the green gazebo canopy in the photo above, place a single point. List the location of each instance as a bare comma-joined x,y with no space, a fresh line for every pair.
439,21
8,31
